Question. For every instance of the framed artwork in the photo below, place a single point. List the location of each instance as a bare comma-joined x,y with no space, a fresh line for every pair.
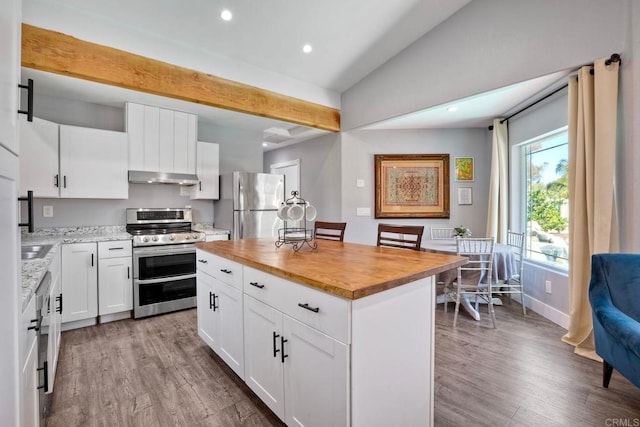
465,196
412,185
464,168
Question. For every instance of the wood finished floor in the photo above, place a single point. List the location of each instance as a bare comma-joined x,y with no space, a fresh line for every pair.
157,372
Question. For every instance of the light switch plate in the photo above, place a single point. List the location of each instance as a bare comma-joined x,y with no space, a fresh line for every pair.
363,211
360,183
47,211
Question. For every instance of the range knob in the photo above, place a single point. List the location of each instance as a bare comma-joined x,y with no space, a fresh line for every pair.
154,238
145,239
172,237
187,237
195,236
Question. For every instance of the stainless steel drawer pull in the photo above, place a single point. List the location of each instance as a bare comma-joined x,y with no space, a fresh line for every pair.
306,306
256,284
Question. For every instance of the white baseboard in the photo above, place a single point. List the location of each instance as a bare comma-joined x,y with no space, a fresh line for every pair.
78,324
105,318
548,312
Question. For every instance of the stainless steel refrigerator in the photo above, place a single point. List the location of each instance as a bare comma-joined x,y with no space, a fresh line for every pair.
248,204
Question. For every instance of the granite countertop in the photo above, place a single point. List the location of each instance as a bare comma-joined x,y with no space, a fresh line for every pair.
33,270
209,229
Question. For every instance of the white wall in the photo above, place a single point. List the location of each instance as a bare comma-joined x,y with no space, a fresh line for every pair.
358,149
486,45
320,172
240,150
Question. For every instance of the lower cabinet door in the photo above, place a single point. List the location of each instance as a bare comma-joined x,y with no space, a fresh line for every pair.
115,285
79,281
29,405
315,377
263,366
229,316
207,325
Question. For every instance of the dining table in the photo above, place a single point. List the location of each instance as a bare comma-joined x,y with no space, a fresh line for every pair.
504,266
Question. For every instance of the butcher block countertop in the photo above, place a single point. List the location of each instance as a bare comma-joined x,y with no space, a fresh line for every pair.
348,270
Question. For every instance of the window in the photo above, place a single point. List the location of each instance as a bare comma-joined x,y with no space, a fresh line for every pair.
546,180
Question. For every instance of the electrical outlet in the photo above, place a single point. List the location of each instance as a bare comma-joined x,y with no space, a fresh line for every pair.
363,211
185,191
47,211
547,286
360,183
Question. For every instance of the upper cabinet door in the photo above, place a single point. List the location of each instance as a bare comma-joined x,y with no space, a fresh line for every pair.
208,171
9,72
93,163
39,158
135,133
161,140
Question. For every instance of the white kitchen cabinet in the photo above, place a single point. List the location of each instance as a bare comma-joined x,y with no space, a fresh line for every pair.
39,169
79,281
208,171
72,162
296,370
115,283
161,140
93,163
29,403
10,21
10,314
53,319
220,321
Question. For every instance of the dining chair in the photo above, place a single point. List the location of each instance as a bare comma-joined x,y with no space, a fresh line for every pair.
474,277
400,236
514,284
441,233
329,230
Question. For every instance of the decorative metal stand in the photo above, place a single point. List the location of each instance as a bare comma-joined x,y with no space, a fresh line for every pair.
297,237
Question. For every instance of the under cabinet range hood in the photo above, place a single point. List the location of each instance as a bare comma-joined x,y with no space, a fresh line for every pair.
145,177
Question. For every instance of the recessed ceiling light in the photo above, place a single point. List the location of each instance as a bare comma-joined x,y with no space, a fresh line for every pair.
226,15
452,109
307,48
264,144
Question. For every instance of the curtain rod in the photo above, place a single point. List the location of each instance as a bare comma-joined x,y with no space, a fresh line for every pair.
614,58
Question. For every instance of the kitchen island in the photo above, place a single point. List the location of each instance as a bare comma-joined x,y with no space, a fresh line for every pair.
340,335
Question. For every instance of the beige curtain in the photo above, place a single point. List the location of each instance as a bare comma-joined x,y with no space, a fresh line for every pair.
593,226
498,190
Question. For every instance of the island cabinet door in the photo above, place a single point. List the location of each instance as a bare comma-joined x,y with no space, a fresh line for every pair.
207,325
229,317
315,377
263,366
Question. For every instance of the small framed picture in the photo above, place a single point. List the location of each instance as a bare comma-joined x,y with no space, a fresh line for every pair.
464,168
465,196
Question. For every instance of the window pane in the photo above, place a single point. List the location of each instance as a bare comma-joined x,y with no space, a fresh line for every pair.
547,211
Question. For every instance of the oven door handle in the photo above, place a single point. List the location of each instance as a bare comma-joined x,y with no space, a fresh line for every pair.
165,279
162,250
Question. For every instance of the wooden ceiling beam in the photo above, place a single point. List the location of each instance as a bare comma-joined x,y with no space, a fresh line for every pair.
59,53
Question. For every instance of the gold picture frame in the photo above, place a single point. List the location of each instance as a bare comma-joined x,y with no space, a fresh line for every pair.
412,185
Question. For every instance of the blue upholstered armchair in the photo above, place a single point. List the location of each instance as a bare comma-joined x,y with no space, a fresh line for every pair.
614,293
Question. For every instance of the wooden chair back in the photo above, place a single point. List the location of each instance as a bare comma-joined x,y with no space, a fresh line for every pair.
329,230
400,236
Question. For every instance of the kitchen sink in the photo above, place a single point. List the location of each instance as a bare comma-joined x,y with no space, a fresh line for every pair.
34,251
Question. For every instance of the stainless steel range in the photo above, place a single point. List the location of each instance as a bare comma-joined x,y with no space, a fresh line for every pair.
164,260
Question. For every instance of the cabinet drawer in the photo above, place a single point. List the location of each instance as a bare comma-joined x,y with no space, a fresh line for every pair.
27,336
300,302
225,270
114,249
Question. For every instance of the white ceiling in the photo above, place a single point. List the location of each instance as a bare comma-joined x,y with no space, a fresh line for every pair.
350,39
